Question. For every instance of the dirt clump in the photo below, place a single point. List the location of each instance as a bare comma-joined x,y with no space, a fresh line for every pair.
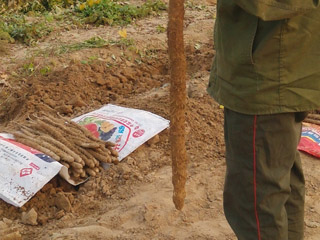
30,217
76,88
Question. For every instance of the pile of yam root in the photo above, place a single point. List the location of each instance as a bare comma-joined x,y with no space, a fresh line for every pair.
313,118
65,141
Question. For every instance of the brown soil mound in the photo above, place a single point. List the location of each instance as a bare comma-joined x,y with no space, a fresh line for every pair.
71,90
82,87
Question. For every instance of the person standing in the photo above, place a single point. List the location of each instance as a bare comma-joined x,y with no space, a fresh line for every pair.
266,73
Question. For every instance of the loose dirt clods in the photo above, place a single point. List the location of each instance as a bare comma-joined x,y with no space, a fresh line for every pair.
30,217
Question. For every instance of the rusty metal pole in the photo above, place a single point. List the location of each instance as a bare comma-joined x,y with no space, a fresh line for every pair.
177,101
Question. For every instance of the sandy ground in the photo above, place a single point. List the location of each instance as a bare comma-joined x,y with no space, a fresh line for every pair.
132,200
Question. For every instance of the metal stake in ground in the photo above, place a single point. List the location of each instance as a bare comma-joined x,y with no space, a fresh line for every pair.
177,100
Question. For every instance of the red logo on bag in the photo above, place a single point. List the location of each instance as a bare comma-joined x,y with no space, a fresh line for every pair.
138,133
25,172
34,166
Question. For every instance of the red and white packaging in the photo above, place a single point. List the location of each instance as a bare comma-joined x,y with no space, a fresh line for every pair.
310,140
128,128
24,171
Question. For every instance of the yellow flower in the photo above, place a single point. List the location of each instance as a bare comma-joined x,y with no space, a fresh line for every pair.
97,1
90,3
123,33
82,6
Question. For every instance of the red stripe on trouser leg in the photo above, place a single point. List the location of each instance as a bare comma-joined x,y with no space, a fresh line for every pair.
255,176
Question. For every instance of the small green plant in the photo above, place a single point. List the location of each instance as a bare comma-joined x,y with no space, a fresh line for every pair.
20,30
192,5
123,42
4,36
92,58
49,17
89,60
45,70
94,42
25,6
108,12
29,68
161,29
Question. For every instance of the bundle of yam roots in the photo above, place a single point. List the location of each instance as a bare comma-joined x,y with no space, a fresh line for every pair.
65,141
313,118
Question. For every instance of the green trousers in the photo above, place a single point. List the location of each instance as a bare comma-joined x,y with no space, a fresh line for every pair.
264,185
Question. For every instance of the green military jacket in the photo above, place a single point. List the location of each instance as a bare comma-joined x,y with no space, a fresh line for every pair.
267,56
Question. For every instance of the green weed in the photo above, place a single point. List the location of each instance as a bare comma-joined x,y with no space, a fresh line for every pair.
20,30
123,42
45,70
94,42
108,12
29,68
194,6
25,6
161,29
90,60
